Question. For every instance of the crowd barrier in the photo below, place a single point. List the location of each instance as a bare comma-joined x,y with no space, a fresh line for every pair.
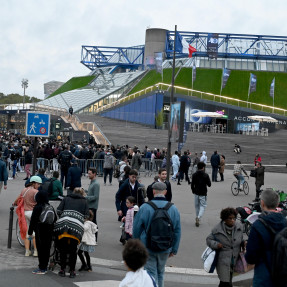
148,166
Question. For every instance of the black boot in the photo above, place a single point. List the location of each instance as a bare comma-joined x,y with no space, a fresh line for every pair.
83,267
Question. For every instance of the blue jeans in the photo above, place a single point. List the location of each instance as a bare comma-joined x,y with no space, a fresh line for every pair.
200,203
15,162
214,173
155,266
240,179
40,163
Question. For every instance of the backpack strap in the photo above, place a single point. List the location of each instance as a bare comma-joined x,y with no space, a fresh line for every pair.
152,205
167,206
267,226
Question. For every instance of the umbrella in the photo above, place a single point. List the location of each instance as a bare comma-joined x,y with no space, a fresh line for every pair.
263,119
207,114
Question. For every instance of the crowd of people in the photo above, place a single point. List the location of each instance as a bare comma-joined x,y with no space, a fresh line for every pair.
151,221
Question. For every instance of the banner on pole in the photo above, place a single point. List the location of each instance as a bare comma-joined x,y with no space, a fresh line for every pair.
181,144
177,121
225,76
252,84
158,61
212,45
193,73
272,89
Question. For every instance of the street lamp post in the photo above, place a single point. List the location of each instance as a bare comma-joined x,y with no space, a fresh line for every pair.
24,86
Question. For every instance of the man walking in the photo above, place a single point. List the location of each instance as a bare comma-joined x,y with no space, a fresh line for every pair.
260,241
65,159
3,173
162,175
175,165
93,194
158,255
183,168
199,182
130,187
259,178
215,163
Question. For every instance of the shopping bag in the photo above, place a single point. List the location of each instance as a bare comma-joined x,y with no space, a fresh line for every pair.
209,258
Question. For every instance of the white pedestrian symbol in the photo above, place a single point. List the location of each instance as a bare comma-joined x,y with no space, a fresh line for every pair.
32,128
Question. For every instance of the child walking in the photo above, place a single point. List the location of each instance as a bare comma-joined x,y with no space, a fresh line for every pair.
129,218
88,243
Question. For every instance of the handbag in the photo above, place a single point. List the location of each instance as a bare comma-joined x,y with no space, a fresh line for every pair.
209,258
241,264
253,173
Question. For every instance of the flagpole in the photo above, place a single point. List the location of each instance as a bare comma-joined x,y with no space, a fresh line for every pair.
248,89
171,102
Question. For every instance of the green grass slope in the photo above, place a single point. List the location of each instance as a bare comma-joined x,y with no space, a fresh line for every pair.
209,80
72,84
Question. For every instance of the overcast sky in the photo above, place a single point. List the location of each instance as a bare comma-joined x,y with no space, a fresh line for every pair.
41,39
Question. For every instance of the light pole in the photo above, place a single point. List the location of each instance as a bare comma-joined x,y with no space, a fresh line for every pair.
24,86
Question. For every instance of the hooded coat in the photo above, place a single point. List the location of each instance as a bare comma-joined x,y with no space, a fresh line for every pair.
259,247
204,157
230,251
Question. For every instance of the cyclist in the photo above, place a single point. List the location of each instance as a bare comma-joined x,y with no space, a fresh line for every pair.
237,172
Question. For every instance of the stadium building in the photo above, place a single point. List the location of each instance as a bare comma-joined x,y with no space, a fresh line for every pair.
232,74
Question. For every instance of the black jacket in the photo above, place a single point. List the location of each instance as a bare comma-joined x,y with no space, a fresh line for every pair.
215,160
168,195
184,163
74,177
199,182
126,190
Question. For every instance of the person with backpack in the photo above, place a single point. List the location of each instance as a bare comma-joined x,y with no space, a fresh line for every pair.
157,225
55,188
3,174
42,223
74,177
65,159
266,246
108,167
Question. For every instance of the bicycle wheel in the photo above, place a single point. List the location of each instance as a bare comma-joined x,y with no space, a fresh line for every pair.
18,236
234,188
245,187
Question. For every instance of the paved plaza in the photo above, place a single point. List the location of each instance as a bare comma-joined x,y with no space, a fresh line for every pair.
185,269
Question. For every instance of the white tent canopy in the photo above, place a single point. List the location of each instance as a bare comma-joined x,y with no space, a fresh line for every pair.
207,114
263,119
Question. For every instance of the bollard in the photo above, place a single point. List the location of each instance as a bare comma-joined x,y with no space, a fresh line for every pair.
10,229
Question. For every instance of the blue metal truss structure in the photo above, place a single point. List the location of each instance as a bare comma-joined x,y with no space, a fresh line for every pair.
131,58
236,46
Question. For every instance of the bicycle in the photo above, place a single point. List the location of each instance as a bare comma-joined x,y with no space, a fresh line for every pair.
234,187
18,235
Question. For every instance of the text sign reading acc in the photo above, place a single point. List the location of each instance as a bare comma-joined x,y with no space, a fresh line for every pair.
37,124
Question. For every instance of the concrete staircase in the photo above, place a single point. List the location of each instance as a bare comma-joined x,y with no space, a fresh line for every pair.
87,126
272,149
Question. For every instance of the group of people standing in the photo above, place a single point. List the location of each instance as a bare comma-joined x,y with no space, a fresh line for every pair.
74,223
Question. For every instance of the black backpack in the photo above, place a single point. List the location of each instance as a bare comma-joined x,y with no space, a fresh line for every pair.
279,255
47,186
47,215
160,235
65,160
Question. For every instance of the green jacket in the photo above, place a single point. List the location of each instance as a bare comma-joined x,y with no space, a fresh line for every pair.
57,189
93,194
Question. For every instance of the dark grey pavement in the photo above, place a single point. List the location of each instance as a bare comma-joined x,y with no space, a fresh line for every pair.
185,267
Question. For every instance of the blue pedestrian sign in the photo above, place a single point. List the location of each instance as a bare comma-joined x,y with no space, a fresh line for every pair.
37,124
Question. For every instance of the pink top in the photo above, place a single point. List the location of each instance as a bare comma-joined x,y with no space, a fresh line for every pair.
29,198
129,221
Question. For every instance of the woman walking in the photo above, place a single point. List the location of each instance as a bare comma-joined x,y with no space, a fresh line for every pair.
227,238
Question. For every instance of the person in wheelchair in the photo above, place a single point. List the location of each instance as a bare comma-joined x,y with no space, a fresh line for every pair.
237,172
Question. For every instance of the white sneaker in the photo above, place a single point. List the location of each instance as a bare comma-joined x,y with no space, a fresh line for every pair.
35,254
27,253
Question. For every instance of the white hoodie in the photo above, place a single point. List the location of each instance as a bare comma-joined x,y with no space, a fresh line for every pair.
140,278
204,157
